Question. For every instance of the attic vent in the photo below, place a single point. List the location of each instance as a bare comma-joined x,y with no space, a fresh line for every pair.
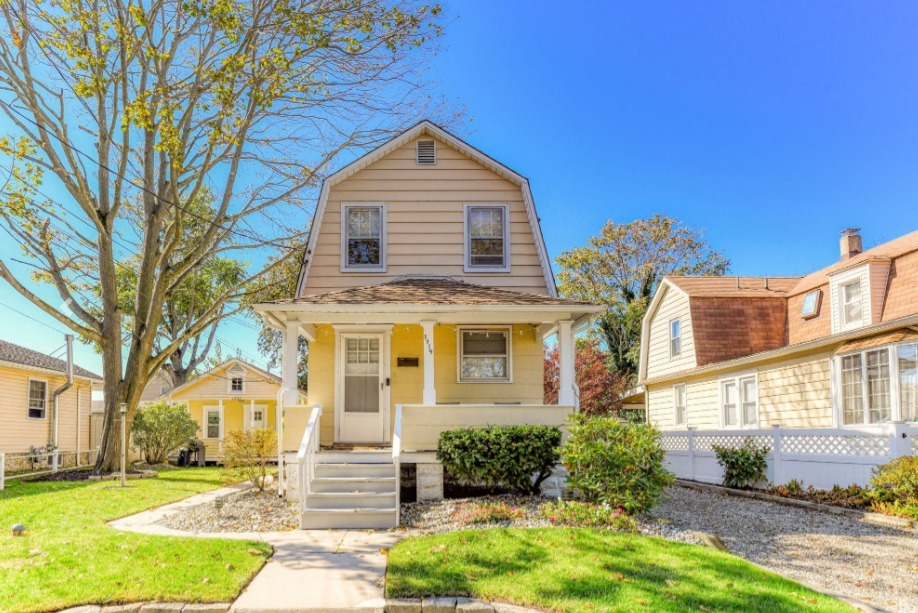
427,152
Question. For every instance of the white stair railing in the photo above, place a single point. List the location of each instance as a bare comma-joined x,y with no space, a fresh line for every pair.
305,455
397,461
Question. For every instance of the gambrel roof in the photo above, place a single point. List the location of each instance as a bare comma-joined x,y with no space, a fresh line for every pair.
428,128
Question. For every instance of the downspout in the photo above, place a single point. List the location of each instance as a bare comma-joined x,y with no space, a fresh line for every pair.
55,439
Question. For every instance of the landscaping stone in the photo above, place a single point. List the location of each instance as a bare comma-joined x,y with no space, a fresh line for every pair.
403,605
245,511
90,608
438,605
207,607
162,607
122,608
500,607
470,605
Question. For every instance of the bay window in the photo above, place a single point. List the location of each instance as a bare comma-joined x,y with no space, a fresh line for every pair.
879,385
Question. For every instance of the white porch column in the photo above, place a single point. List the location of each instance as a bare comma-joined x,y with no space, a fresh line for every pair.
430,390
566,382
289,362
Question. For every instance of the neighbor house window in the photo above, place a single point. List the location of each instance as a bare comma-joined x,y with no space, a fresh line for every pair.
236,380
38,398
675,338
679,404
740,401
908,382
237,384
487,237
811,304
851,308
363,243
213,423
865,387
484,355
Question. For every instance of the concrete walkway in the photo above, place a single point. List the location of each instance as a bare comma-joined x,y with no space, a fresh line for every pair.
328,571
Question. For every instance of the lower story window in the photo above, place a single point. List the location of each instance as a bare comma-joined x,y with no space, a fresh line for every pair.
865,387
679,403
38,398
908,381
484,355
213,423
740,402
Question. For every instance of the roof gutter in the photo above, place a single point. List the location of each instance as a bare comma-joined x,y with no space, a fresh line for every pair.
56,400
840,337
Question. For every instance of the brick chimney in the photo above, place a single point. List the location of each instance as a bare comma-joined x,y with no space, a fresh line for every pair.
850,243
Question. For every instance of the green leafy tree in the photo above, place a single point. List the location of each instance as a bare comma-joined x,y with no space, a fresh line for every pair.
130,111
622,267
160,428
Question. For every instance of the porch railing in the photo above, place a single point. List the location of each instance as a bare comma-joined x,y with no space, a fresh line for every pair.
419,426
305,455
397,461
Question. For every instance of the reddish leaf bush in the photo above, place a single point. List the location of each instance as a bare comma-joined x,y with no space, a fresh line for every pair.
600,387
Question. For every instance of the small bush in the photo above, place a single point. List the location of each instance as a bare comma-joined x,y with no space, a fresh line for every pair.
894,488
486,513
246,454
515,457
160,428
617,464
851,497
744,466
587,515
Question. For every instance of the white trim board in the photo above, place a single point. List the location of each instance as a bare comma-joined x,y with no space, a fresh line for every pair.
428,128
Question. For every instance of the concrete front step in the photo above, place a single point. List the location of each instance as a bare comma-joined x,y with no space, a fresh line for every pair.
339,470
341,518
354,484
371,456
351,500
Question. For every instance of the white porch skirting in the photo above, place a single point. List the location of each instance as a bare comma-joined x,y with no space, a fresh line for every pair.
821,457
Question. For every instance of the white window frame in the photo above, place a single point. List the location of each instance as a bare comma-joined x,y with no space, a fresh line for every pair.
230,375
817,300
837,283
213,409
672,355
460,353
44,414
895,400
467,208
383,239
842,310
676,390
738,379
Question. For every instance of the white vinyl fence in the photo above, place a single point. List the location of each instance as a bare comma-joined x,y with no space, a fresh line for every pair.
28,464
821,457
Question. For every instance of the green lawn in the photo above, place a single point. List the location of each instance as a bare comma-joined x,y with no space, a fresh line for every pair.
70,557
570,569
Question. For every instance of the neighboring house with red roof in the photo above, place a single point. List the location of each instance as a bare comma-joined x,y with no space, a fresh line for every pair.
425,295
28,382
836,348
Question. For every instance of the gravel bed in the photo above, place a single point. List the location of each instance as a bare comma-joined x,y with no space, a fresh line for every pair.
247,511
437,518
829,552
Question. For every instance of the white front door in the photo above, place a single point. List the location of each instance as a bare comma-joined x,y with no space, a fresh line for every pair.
362,405
259,416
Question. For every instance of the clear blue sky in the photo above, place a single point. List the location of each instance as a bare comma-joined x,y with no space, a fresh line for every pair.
772,125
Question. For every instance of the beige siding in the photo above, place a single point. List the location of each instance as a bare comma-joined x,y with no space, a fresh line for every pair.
214,385
793,392
19,432
425,222
796,393
674,304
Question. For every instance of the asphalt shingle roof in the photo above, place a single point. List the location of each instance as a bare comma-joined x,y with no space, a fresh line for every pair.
435,291
17,354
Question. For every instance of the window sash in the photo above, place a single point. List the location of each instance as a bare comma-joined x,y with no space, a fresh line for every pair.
740,402
212,425
237,384
487,236
38,398
852,310
675,338
907,364
480,362
363,236
679,400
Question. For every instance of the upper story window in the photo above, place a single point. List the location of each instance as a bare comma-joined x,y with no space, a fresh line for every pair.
236,380
487,238
484,355
363,241
675,338
851,306
739,398
679,404
38,398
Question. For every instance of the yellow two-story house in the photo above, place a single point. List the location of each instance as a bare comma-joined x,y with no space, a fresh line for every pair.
425,296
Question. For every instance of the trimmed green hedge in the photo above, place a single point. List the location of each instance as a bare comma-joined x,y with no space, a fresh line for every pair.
515,457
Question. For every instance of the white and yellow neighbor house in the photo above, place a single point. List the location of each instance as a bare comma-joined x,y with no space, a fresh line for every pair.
425,296
235,395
